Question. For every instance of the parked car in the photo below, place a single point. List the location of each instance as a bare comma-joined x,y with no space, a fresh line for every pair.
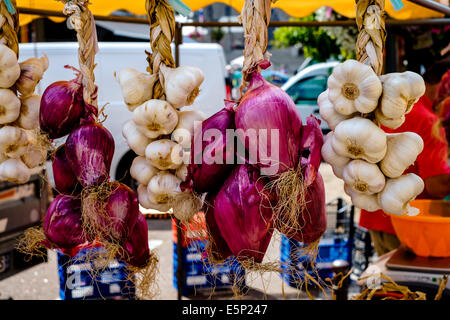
114,56
305,87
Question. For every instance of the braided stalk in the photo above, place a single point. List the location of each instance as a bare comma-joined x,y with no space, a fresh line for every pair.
161,18
370,18
9,26
82,21
255,18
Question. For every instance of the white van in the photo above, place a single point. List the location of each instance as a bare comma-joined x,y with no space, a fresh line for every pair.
114,56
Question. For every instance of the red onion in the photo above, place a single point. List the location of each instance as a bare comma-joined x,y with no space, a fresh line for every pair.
122,209
312,138
266,107
90,149
219,249
204,174
313,218
62,107
62,223
244,214
65,180
136,251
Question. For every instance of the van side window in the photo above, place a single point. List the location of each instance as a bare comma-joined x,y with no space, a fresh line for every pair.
307,90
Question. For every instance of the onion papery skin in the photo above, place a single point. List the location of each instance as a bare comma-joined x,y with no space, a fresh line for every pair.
62,107
243,215
90,149
219,249
135,251
62,223
203,174
65,180
313,217
265,107
122,209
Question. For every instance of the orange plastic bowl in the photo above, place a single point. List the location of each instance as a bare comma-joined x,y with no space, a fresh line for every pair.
428,233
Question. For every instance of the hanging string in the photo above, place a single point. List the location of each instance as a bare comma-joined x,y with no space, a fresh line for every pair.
9,25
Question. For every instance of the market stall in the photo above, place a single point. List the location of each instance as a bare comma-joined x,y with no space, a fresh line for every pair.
220,190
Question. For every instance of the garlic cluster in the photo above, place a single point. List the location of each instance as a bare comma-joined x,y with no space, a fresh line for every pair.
21,149
369,161
160,133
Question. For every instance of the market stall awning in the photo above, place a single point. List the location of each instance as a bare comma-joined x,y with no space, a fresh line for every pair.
295,8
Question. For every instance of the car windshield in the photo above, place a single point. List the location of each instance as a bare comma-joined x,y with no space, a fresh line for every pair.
307,90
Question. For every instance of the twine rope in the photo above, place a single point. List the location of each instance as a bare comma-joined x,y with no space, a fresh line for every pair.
370,18
82,21
161,18
255,18
9,26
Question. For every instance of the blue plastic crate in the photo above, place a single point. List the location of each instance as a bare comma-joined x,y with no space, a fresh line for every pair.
199,274
293,262
79,279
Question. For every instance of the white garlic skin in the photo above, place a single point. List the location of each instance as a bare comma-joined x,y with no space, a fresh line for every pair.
388,122
400,92
354,87
363,201
395,197
9,106
145,200
29,112
185,128
31,72
142,170
15,171
332,158
402,151
181,85
155,118
135,139
136,86
9,67
363,177
359,138
165,154
327,111
13,141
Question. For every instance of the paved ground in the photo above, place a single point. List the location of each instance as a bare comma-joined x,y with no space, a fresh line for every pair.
41,281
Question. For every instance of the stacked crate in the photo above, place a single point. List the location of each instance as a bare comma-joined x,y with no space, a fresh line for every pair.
196,272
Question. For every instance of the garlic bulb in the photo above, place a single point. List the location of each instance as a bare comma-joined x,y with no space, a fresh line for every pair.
34,156
155,118
14,170
136,140
29,112
400,92
9,106
13,141
363,177
9,67
164,185
402,151
185,129
142,170
354,87
331,157
137,87
144,200
395,197
181,84
31,72
359,138
388,122
164,154
368,202
327,111
182,171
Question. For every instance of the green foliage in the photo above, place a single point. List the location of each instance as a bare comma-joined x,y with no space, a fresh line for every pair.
318,43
